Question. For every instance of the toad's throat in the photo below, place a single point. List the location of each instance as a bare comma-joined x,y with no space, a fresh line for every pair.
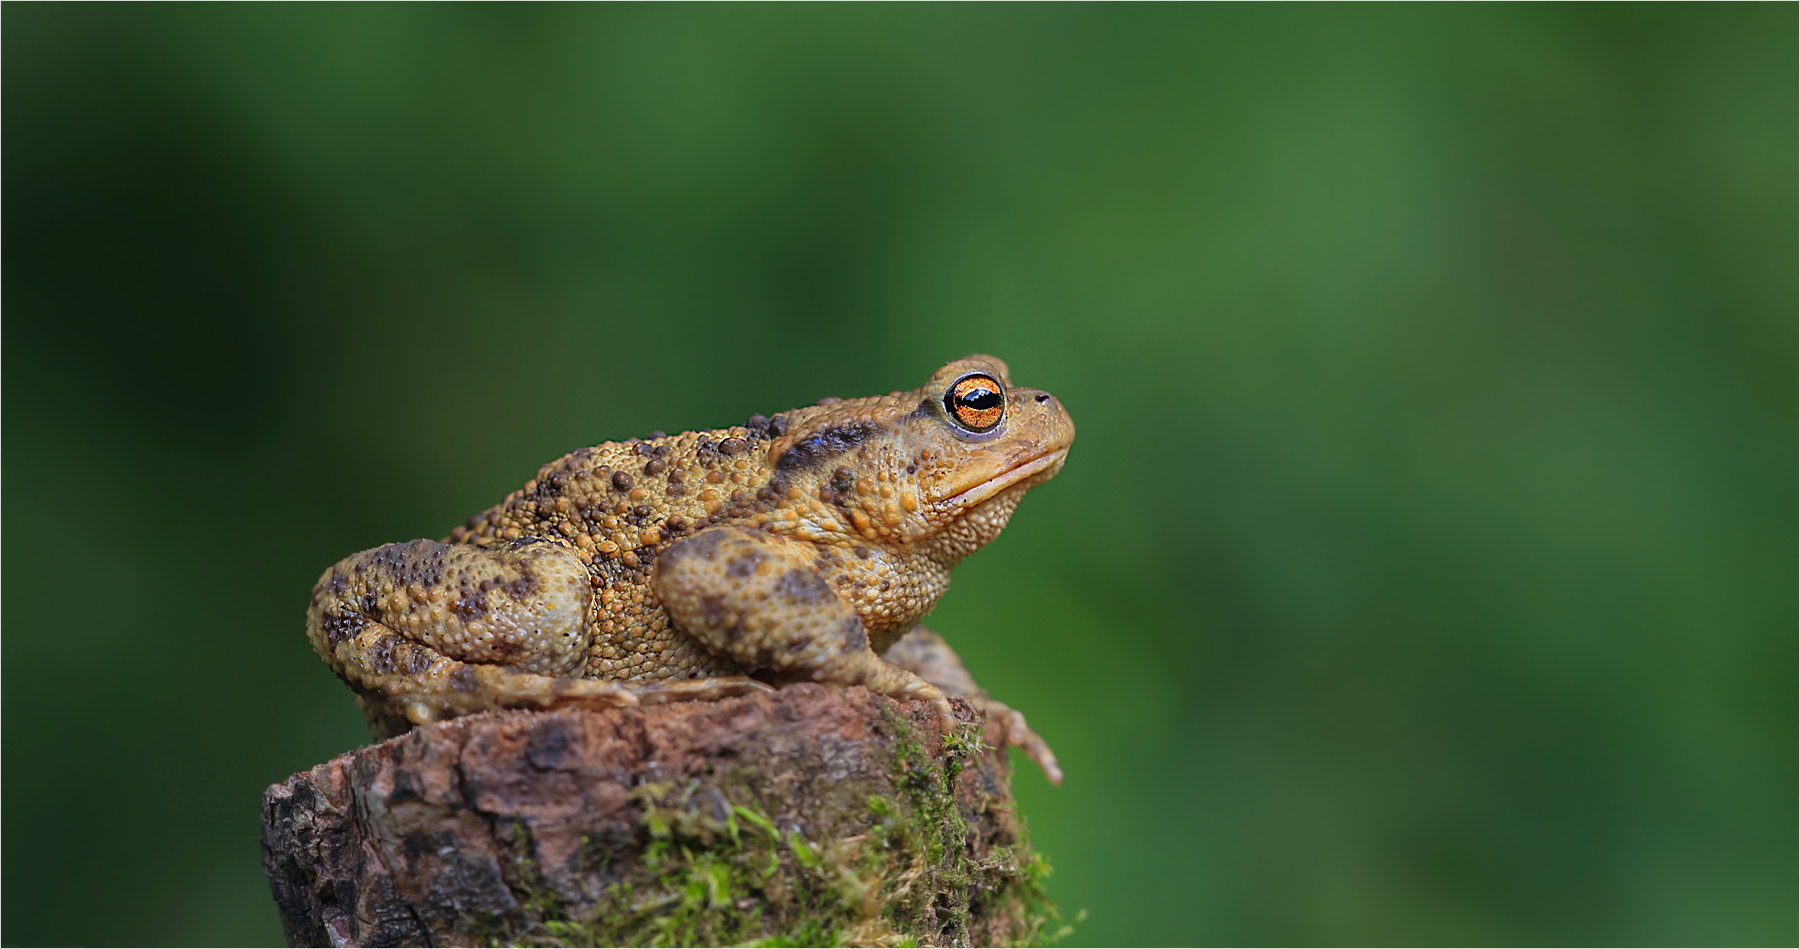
1039,468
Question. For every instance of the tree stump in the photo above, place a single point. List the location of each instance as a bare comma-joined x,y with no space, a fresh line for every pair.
809,816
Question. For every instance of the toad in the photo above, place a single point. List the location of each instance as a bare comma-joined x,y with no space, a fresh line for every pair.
803,546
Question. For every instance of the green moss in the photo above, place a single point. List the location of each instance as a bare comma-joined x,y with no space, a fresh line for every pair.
945,889
714,869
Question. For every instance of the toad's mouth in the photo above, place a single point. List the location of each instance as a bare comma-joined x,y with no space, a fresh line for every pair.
1045,465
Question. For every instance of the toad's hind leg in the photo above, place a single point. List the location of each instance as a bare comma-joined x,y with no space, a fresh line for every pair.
753,597
424,631
402,683
434,687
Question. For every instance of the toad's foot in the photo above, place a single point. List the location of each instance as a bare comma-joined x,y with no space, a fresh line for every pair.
445,688
925,653
661,691
398,714
1020,735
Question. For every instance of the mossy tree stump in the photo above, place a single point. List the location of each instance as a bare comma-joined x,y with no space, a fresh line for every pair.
810,816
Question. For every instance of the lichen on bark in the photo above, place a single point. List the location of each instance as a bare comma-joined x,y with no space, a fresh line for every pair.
812,816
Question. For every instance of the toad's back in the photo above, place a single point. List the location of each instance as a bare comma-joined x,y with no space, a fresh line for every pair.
620,504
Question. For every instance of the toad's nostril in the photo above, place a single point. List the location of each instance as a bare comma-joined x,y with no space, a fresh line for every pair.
1043,396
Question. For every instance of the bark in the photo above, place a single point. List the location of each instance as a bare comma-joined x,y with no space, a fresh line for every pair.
808,816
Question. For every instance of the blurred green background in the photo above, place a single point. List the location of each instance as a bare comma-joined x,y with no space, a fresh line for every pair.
1424,571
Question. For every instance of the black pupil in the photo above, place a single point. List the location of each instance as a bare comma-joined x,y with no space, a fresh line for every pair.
979,399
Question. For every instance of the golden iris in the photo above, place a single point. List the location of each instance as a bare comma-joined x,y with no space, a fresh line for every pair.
975,403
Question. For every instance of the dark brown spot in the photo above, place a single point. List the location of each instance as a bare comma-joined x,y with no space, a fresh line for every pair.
339,627
416,662
704,545
620,480
381,655
778,426
464,680
803,586
414,563
469,607
855,637
744,564
733,445
829,443
712,610
757,423
675,523
655,466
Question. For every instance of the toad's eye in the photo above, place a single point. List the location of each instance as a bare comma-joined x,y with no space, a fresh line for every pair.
975,403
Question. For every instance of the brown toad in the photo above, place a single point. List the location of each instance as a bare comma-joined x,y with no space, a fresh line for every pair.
806,546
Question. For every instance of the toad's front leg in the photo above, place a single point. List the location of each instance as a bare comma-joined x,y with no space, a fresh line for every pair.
925,653
757,598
